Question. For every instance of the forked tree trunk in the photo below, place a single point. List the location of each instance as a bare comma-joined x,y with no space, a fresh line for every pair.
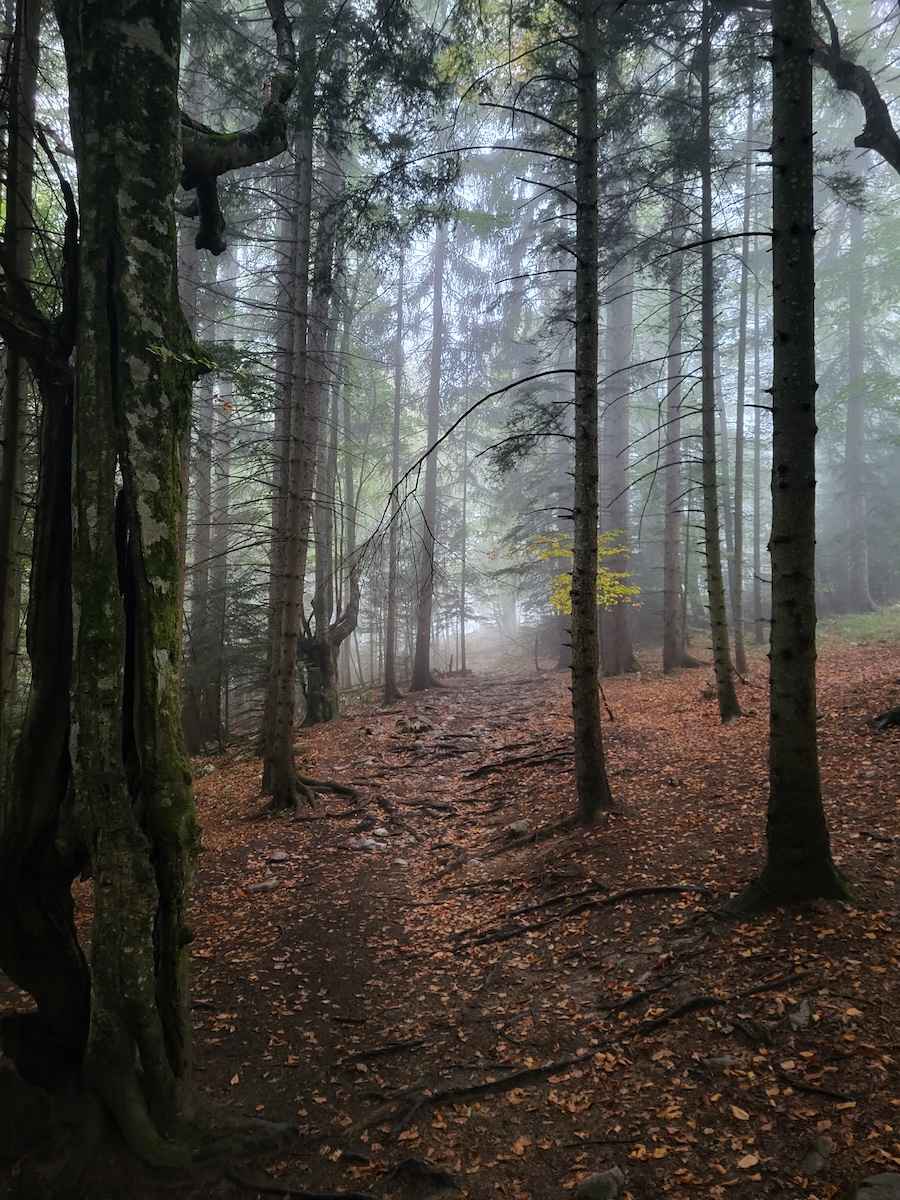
591,782
798,864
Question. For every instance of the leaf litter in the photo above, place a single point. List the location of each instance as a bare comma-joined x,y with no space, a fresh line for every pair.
458,1013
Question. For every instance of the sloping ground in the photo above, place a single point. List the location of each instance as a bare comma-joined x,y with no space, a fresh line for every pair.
441,1011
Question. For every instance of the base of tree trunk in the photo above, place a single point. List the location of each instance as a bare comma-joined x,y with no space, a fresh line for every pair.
888,718
775,889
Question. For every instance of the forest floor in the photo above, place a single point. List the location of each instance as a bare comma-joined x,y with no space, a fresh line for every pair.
445,1015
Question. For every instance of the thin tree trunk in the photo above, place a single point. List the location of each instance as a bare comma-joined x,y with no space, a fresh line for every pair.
280,777
592,785
421,674
737,578
616,651
858,595
729,707
759,636
391,690
674,652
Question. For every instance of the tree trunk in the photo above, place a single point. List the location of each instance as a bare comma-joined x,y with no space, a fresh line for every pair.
725,689
737,575
17,238
391,690
421,674
280,777
858,596
759,635
200,727
616,651
131,405
592,785
798,864
674,652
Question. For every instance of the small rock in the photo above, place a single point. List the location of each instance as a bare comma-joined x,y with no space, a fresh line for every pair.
801,1016
473,862
207,769
719,1064
604,1186
818,1152
363,843
278,856
266,885
519,827
416,724
878,1187
401,862
381,832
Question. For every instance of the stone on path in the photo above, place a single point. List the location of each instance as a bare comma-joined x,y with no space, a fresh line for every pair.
878,1187
604,1186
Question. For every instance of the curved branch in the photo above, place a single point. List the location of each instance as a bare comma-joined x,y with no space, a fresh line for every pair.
878,132
206,154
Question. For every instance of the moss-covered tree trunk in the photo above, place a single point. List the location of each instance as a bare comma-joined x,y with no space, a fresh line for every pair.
592,785
798,865
133,377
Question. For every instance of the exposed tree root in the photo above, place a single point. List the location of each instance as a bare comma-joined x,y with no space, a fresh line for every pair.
305,791
696,1002
516,930
422,1097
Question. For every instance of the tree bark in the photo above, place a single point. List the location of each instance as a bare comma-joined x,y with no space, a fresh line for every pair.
391,690
616,650
858,597
737,576
133,375
17,239
674,652
421,673
729,708
798,863
592,785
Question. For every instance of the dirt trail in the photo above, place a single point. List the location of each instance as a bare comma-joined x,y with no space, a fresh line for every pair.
503,1024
